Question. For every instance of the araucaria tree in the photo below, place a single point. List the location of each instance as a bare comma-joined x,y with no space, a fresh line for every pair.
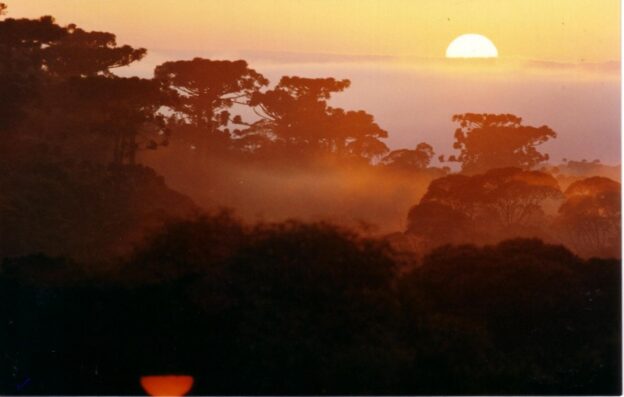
207,91
295,115
57,91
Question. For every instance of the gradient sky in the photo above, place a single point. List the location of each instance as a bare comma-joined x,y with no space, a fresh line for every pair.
558,65
560,30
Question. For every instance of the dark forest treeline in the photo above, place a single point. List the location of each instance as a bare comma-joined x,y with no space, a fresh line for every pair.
108,273
311,309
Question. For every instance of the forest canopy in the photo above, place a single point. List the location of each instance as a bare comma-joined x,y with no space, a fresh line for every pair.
208,221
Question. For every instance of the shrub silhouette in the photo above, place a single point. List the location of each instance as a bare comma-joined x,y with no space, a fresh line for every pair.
313,309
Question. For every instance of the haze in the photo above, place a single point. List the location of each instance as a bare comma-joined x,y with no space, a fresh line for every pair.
308,198
391,51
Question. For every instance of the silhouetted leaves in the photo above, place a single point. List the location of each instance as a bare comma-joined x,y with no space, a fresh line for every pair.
590,218
207,90
488,141
82,53
510,317
107,274
418,158
501,202
296,116
85,211
312,309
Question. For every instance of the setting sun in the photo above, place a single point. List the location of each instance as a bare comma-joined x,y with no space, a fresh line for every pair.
312,197
471,46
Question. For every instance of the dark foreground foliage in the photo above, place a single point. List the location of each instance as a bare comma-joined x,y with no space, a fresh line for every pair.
312,309
89,212
288,308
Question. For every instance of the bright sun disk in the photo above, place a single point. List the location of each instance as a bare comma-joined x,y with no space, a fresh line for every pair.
471,45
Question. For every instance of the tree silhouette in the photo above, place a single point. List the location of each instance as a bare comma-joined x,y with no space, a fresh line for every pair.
590,218
487,141
416,159
296,114
61,77
506,318
516,195
455,191
82,53
107,274
295,111
521,317
121,113
183,249
87,211
355,133
207,91
21,62
500,202
439,223
22,42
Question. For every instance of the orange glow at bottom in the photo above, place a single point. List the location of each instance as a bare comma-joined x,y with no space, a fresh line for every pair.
167,385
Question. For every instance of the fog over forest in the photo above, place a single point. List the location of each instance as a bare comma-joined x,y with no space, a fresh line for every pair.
270,228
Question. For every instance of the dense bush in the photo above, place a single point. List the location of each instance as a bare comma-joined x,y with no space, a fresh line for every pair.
313,309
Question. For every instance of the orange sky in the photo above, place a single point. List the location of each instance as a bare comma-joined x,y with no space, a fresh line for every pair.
558,65
556,30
